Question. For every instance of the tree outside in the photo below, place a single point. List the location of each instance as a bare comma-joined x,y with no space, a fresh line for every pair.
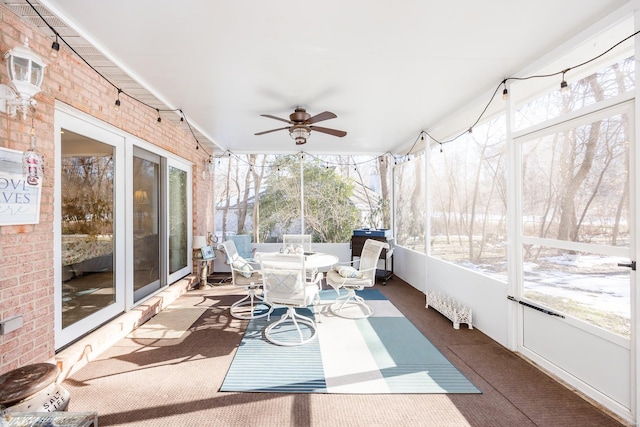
261,195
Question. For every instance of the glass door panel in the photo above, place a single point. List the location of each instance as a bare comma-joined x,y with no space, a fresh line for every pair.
87,182
178,219
146,224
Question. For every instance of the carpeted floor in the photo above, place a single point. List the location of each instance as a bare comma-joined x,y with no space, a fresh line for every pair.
153,381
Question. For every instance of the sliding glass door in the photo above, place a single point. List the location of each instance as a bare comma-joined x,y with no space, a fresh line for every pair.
146,223
124,209
179,214
90,288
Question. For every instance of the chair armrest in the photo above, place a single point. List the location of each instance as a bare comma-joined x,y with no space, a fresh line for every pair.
346,263
317,280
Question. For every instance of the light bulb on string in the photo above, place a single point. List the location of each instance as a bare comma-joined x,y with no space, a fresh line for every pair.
505,91
564,87
55,48
117,103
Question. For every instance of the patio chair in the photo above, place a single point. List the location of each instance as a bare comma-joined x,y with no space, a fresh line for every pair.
243,245
347,277
292,241
252,306
285,286
296,244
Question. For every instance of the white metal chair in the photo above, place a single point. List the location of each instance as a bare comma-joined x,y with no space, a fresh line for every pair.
285,285
347,277
297,240
252,306
298,244
243,245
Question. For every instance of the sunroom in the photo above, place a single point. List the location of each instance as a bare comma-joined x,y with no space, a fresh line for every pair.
509,186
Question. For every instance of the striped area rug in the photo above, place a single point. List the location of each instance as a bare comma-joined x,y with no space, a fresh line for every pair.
381,354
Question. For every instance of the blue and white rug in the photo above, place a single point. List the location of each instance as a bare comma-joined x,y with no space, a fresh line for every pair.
381,354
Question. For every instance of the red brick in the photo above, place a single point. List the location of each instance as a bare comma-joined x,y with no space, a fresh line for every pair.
27,251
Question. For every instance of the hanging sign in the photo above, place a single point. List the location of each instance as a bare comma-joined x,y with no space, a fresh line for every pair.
19,194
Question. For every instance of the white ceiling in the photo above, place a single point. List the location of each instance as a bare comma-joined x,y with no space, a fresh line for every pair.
387,69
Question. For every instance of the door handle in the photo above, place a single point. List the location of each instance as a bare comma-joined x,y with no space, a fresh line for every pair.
631,265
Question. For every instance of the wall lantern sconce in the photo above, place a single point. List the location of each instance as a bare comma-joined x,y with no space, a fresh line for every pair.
25,70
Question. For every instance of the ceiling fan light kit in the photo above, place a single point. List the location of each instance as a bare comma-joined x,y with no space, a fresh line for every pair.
301,125
300,134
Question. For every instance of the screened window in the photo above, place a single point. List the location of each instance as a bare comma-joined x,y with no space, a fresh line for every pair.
539,100
576,218
267,196
467,179
409,191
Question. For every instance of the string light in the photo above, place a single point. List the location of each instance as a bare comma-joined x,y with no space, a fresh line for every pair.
55,47
505,91
564,87
117,103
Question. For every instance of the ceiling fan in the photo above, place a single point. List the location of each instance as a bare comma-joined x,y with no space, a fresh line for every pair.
302,124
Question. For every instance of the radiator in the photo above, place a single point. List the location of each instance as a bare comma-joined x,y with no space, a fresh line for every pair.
449,308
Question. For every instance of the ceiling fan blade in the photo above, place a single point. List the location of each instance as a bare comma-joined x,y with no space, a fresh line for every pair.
320,117
277,118
333,132
269,131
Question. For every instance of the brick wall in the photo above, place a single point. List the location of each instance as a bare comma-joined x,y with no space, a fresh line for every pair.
26,251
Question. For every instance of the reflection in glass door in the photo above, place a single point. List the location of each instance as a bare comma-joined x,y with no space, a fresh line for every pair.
178,217
146,223
87,182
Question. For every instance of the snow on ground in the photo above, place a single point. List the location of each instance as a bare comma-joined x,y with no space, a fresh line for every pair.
592,281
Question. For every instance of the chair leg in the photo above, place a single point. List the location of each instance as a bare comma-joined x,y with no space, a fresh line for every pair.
252,300
351,301
297,320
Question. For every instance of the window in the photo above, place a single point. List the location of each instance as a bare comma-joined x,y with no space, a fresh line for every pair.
410,204
539,100
468,199
325,196
576,218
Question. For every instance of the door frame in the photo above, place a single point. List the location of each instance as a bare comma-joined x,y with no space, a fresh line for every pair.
67,118
603,348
